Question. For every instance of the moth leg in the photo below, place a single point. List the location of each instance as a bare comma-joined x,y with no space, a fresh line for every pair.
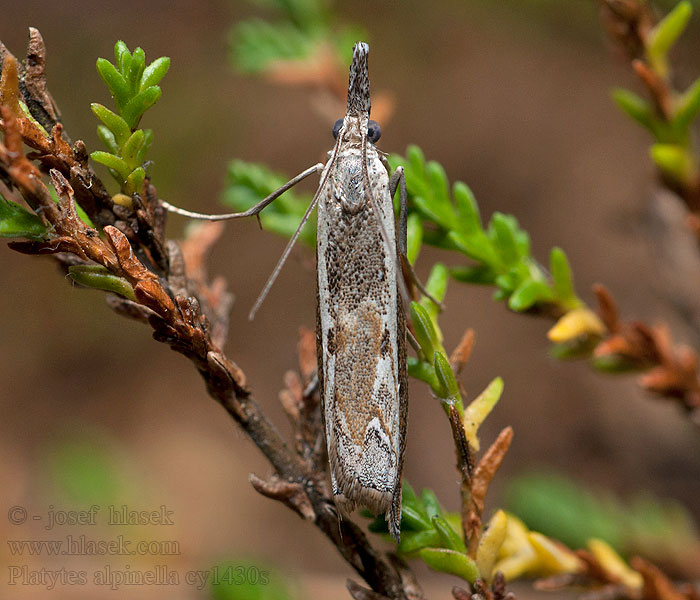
398,180
254,210
311,387
413,341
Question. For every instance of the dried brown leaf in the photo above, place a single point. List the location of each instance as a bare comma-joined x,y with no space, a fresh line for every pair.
131,266
360,593
607,309
151,294
34,76
289,492
483,474
460,355
306,349
656,585
9,86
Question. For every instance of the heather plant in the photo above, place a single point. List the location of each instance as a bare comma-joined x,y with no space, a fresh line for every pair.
110,236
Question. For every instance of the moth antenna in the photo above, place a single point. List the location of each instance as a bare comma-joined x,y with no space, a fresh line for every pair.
196,215
254,210
292,241
282,260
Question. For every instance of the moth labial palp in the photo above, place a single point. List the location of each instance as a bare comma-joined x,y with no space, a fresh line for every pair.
361,328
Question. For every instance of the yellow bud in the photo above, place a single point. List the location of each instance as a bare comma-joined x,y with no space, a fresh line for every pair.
516,566
516,556
578,322
122,200
516,538
479,408
553,558
613,563
490,543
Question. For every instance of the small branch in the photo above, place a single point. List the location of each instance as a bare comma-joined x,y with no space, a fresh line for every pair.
672,371
629,24
465,467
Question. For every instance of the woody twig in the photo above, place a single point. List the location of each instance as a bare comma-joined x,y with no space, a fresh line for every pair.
634,28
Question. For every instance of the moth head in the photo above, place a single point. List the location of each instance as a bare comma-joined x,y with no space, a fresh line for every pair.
374,131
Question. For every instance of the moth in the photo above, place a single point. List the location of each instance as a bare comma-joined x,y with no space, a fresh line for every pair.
361,327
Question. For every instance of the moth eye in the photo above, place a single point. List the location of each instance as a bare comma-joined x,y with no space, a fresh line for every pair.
374,131
336,128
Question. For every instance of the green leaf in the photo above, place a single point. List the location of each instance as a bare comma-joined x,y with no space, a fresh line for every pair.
635,107
410,498
113,162
431,503
113,122
575,349
98,277
480,274
529,293
412,541
416,161
414,230
136,68
563,283
17,221
108,139
437,282
502,230
674,160
116,83
147,141
477,246
425,331
122,56
449,537
614,363
508,282
436,286
139,104
132,146
413,519
154,72
134,182
257,44
286,225
248,183
467,208
438,182
423,371
665,34
448,382
687,108
449,561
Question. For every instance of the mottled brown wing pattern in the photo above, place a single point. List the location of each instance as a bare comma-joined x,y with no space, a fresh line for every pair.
362,337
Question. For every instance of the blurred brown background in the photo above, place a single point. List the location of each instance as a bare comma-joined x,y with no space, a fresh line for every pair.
511,97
